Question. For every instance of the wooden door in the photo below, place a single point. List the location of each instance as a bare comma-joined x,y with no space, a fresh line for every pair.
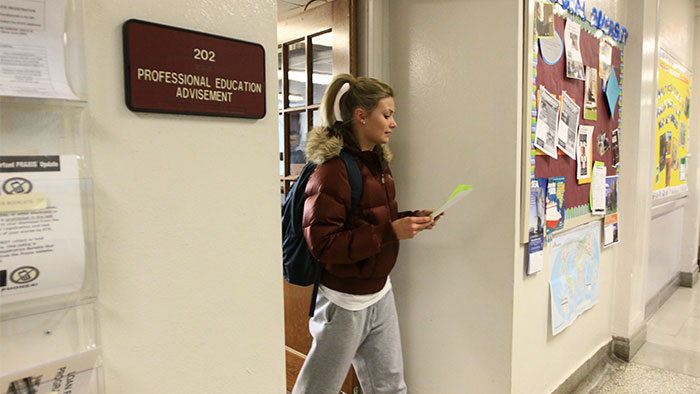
313,45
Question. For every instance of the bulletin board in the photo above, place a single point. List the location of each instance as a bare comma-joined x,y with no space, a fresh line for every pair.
553,78
671,139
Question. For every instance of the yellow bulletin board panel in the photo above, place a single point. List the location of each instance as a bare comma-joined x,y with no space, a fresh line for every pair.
671,140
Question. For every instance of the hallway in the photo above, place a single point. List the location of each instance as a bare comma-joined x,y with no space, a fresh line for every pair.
669,362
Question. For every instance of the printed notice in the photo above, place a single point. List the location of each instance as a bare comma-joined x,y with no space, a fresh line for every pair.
546,129
598,188
42,248
568,125
31,54
70,375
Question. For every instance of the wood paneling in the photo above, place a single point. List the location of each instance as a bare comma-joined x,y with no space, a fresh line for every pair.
340,16
296,317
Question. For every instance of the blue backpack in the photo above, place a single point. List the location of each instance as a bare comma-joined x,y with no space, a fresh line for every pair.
300,267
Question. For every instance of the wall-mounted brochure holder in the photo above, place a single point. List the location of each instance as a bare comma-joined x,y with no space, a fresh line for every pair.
54,349
47,248
48,264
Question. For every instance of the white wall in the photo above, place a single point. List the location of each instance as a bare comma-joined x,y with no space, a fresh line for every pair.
542,361
636,156
689,254
187,217
673,231
454,67
453,84
691,220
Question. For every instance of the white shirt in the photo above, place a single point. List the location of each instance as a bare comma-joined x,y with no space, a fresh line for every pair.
354,302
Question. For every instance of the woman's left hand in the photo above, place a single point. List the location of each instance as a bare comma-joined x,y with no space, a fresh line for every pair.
427,212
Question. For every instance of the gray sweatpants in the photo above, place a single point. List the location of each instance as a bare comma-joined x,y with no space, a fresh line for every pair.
369,339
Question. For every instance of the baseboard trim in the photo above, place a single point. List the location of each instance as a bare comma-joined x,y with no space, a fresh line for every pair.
662,296
689,279
625,348
591,366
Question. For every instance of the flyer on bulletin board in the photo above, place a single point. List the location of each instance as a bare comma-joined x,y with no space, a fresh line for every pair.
611,230
555,209
597,191
538,188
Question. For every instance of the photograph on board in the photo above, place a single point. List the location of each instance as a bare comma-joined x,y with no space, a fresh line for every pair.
615,148
544,19
574,62
590,102
583,168
604,61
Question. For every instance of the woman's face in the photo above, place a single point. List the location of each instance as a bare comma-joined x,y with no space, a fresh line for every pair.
377,126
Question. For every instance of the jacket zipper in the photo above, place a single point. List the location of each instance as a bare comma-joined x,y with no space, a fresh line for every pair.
386,193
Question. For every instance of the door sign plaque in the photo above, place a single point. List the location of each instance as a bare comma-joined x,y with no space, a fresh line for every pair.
173,70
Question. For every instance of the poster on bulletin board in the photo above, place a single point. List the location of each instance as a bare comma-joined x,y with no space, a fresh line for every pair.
671,140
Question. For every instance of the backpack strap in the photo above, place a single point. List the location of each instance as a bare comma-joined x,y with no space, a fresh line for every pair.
355,179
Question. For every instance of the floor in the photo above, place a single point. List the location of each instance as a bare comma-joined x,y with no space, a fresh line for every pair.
669,362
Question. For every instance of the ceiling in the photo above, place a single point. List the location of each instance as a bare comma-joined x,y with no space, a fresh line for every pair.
289,5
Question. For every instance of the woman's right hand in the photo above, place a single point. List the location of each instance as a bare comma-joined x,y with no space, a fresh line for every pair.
408,227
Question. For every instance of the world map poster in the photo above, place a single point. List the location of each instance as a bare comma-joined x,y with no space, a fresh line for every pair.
574,281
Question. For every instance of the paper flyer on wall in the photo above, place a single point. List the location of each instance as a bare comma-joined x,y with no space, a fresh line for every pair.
574,282
568,125
74,374
546,129
611,222
574,61
590,102
597,193
555,208
538,188
31,55
42,248
584,154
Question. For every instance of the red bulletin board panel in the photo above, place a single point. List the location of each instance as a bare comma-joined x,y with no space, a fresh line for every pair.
553,78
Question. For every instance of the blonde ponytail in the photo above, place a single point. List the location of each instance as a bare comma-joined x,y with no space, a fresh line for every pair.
364,93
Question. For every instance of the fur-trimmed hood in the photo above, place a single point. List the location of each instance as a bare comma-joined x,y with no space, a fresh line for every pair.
321,146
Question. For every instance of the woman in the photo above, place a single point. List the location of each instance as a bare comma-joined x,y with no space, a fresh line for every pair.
355,319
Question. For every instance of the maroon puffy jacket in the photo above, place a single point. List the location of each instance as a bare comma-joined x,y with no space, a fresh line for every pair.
358,251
